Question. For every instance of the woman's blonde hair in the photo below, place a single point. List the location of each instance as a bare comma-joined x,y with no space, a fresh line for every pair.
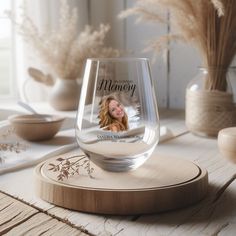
106,119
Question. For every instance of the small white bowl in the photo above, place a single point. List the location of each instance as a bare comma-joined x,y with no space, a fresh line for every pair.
36,127
227,143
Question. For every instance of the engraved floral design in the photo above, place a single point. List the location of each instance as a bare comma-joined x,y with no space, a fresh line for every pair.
9,146
71,166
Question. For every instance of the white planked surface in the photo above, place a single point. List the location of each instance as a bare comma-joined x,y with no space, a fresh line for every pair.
18,218
216,215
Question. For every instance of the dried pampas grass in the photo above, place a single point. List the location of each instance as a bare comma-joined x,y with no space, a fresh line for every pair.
64,51
207,24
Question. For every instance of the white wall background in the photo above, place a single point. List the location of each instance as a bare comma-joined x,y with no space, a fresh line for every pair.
170,76
171,73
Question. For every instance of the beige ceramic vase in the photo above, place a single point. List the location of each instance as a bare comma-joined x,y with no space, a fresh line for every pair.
65,94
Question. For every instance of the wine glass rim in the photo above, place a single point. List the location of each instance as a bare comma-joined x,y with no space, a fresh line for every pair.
118,59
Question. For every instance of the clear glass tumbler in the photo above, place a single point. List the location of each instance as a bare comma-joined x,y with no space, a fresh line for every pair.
117,121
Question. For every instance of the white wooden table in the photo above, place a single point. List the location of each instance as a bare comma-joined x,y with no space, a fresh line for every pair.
21,212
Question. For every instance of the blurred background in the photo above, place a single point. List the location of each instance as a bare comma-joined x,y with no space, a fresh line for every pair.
171,71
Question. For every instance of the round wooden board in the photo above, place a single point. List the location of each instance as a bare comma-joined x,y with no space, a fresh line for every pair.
160,184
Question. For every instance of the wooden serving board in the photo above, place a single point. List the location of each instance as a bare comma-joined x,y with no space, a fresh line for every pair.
162,183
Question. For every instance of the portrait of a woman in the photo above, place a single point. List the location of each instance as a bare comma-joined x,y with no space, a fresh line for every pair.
112,115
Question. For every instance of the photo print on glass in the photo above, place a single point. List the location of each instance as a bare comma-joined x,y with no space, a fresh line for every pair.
117,122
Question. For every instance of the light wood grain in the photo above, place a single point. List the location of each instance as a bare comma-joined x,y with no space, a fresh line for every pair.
161,184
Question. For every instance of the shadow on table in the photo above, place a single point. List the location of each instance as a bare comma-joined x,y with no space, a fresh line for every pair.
59,140
216,206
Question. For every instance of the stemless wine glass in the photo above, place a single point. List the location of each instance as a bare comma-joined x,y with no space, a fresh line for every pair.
117,121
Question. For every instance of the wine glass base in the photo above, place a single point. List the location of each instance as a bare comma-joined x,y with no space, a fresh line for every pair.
120,164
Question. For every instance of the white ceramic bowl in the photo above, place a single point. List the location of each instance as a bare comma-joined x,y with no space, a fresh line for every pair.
36,127
227,143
